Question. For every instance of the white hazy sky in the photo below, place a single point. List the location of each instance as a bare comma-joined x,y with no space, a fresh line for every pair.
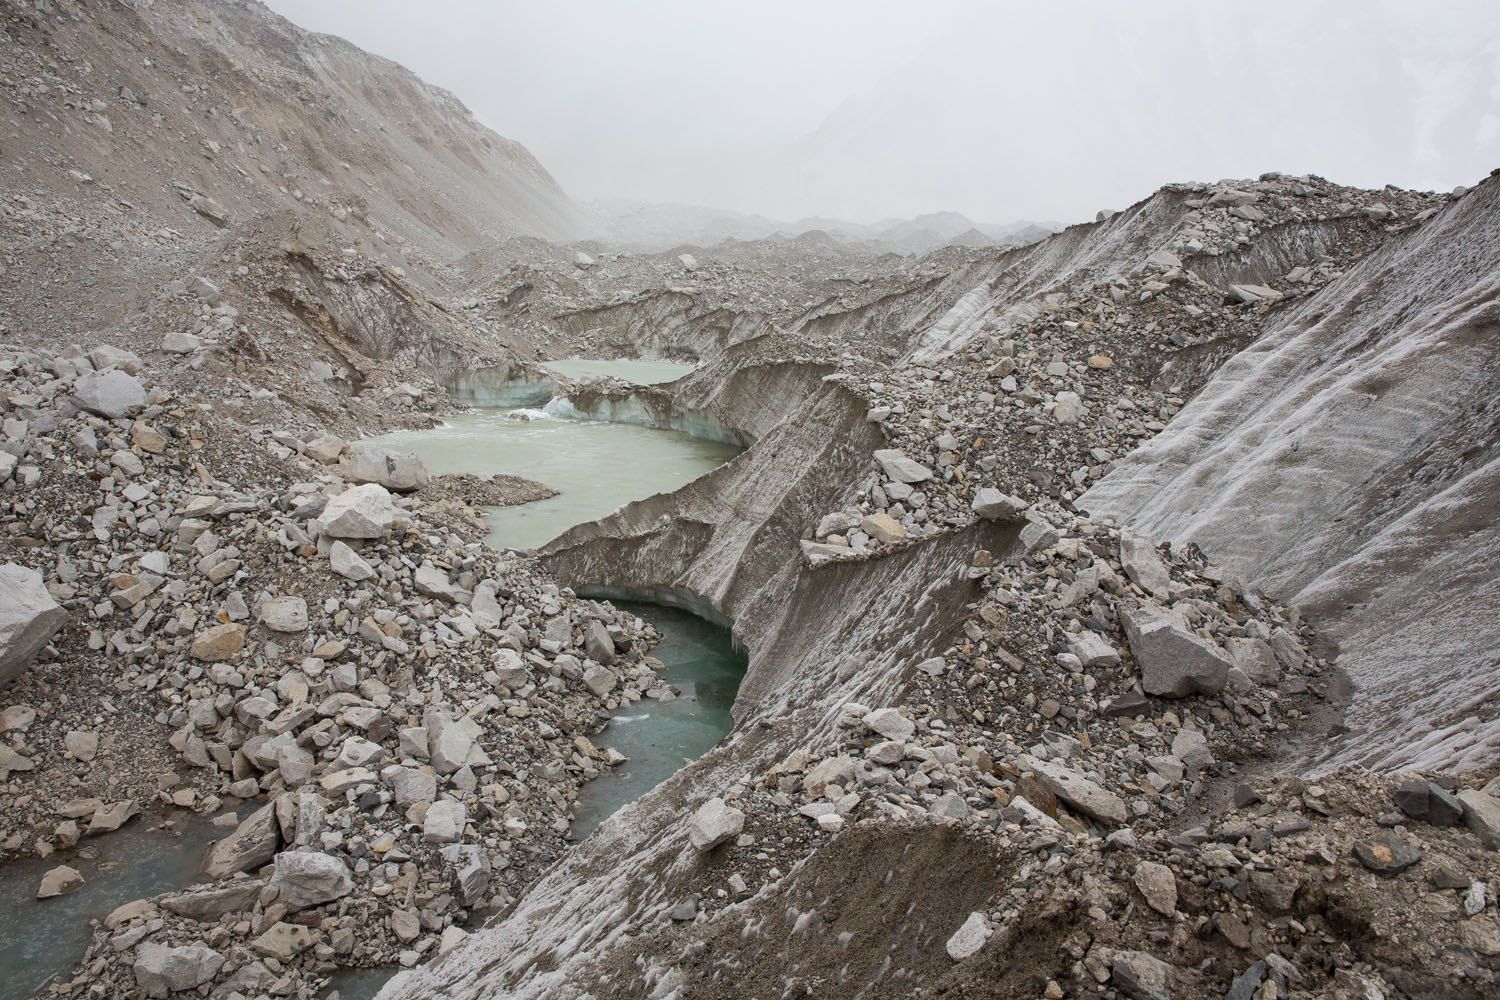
1000,110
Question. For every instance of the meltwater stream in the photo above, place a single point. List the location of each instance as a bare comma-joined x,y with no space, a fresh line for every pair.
659,737
597,467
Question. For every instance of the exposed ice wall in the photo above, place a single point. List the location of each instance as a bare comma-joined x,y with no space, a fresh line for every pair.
1350,461
501,387
633,409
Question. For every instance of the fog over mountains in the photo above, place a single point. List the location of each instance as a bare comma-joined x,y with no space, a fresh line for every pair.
999,111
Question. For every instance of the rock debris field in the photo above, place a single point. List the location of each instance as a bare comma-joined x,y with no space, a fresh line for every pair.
995,737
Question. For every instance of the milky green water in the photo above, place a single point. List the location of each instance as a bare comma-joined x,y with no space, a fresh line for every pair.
43,939
597,467
639,372
660,737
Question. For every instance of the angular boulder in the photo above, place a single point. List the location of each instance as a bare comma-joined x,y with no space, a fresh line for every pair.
600,680
218,642
309,878
105,356
161,971
444,823
1174,661
598,643
325,448
59,880
283,941
359,512
349,564
252,844
1142,563
284,614
451,741
883,527
1092,649
1158,885
1482,815
207,905
29,618
395,470
1077,791
992,505
434,582
714,823
410,784
889,724
471,870
1255,659
897,466
969,938
175,342
1141,976
110,394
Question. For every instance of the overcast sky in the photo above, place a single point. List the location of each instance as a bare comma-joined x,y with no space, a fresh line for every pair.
1002,111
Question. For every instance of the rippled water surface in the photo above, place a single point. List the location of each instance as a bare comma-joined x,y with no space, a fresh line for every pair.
660,737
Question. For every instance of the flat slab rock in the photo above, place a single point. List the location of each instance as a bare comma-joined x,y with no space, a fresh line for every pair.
1077,791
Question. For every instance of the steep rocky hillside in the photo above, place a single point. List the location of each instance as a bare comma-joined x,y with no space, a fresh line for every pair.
220,111
211,170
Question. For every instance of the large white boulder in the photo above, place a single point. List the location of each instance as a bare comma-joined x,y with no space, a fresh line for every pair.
1174,661
29,618
715,822
970,937
395,470
111,394
359,512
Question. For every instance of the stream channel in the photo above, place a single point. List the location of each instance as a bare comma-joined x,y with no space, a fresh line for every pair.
597,467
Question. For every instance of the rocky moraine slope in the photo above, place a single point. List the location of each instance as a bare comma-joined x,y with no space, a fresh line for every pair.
1119,608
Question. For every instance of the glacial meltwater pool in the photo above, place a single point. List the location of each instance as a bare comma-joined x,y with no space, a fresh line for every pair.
43,939
596,467
640,372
